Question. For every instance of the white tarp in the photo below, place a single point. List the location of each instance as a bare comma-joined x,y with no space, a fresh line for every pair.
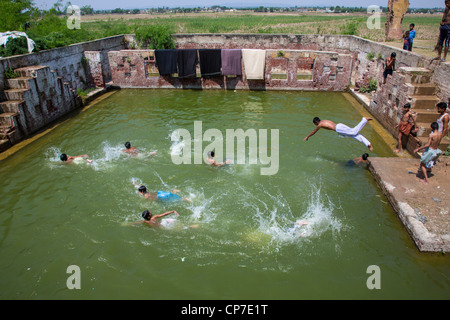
5,36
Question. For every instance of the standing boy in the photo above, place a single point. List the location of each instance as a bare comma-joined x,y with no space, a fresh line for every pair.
404,126
432,152
443,119
412,35
390,66
444,33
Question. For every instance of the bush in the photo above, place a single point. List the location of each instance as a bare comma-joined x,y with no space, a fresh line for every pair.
11,74
14,46
370,56
371,86
155,37
350,28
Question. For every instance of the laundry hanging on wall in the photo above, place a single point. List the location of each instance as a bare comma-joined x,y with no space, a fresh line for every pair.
166,61
231,62
254,63
187,61
210,62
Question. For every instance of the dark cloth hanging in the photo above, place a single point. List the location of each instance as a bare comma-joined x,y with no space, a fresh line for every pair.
187,61
231,62
210,62
166,61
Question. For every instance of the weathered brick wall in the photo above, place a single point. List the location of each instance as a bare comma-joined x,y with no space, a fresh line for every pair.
295,69
65,61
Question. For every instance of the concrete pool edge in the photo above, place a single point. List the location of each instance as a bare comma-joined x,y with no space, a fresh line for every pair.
425,240
401,190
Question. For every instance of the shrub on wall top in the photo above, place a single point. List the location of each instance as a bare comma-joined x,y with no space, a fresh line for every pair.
155,37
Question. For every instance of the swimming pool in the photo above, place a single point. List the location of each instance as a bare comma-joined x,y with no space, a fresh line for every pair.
234,240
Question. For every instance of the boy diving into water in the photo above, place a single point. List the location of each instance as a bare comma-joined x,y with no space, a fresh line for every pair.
342,130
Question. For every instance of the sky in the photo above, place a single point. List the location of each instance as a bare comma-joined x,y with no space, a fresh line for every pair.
140,4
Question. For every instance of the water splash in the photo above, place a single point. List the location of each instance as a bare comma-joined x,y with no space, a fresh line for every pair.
277,223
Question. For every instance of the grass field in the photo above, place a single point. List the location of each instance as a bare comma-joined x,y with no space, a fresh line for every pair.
427,26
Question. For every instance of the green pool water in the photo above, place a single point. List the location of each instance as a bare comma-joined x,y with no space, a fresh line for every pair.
235,239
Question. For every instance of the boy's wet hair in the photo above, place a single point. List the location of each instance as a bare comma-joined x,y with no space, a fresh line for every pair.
442,105
393,54
407,105
147,215
63,157
316,120
365,156
142,189
127,145
434,125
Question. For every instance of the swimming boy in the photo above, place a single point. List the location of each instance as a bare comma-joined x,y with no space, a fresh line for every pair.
129,149
71,159
210,160
432,152
133,150
161,195
390,66
404,126
360,160
151,220
342,130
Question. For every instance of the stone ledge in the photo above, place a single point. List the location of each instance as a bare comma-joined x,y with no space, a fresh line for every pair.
420,207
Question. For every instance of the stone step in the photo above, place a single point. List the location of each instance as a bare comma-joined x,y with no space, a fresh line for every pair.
5,131
416,75
420,89
6,119
29,71
426,116
11,106
424,129
19,83
5,144
424,102
15,94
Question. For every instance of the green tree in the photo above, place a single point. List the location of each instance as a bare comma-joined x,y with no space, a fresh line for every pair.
15,13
